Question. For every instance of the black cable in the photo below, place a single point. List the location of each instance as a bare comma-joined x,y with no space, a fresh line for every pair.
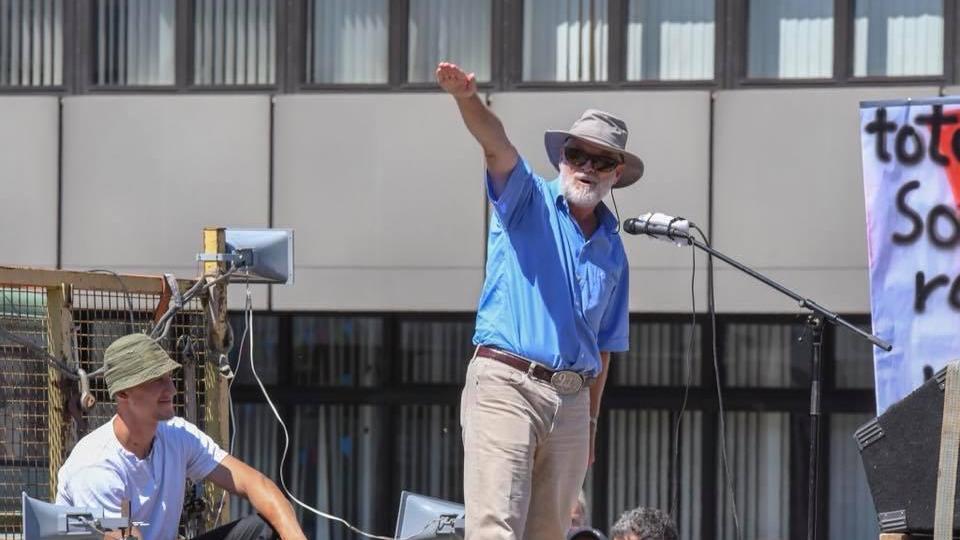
688,362
711,308
616,210
126,293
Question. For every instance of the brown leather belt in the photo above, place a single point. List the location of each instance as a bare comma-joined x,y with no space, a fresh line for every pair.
564,381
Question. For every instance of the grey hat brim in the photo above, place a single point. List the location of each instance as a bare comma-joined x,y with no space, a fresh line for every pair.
633,165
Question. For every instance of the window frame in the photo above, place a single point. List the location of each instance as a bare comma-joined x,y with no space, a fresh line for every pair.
616,58
730,55
843,51
68,56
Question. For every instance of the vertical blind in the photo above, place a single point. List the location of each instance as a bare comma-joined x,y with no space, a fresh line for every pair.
433,352
758,452
347,41
255,442
452,30
638,471
852,514
234,41
565,40
135,42
337,351
31,42
428,451
660,355
790,39
334,464
765,355
853,360
670,40
894,38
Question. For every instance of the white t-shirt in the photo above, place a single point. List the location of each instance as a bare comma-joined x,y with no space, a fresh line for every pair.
101,473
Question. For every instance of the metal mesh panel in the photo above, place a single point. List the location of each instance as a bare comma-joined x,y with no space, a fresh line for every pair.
28,444
23,405
102,317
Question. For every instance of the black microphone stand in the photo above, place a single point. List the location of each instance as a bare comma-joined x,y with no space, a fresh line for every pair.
815,320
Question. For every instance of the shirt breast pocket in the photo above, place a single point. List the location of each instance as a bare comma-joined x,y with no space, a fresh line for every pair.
599,291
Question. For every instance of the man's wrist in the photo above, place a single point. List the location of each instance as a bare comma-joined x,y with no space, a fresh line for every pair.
593,421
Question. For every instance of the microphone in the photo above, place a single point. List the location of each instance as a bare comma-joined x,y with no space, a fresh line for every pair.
660,226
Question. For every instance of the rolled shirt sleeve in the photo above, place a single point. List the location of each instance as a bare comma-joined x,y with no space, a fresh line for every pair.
516,195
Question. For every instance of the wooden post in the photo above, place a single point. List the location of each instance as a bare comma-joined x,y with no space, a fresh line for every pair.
62,434
217,410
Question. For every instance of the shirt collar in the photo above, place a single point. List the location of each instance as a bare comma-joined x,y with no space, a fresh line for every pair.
605,217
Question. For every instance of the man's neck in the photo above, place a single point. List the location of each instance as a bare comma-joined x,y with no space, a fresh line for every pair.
135,437
586,217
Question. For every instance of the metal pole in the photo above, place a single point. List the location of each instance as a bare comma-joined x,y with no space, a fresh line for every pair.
815,323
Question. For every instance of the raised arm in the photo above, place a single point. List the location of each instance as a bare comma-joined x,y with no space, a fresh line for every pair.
486,128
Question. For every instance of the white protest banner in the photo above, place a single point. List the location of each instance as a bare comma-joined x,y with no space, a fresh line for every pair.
911,177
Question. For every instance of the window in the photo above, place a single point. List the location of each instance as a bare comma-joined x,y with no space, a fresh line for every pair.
337,351
851,511
234,41
895,39
565,40
661,353
453,30
347,41
670,40
758,453
853,364
31,42
790,39
766,355
134,42
639,463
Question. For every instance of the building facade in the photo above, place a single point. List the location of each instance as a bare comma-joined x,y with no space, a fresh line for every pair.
129,125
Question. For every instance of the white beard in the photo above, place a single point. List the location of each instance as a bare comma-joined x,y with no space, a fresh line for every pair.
579,194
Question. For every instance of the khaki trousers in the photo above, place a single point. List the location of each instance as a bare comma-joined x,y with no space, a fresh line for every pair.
525,453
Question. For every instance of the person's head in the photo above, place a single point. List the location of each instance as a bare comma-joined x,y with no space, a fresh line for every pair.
139,378
585,533
592,158
644,524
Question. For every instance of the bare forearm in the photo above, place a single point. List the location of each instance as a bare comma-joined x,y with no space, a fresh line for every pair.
485,127
596,389
270,502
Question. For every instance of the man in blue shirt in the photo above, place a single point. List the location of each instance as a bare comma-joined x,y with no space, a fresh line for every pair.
554,306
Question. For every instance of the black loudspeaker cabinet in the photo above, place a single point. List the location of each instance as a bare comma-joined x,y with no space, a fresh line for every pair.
900,450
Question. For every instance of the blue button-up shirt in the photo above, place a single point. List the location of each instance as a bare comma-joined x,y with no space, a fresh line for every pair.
550,294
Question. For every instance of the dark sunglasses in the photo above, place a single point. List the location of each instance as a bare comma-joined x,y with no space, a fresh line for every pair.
578,158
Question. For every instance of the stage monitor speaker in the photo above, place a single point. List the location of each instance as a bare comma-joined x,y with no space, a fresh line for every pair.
900,451
45,521
427,518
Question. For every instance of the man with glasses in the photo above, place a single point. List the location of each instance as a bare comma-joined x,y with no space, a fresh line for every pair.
554,306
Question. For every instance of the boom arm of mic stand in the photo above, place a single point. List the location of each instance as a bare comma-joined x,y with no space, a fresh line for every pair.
803,302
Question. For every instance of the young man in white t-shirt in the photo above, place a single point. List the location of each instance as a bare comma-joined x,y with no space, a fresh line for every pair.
145,454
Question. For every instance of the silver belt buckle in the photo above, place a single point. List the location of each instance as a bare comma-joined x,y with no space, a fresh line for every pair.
566,382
